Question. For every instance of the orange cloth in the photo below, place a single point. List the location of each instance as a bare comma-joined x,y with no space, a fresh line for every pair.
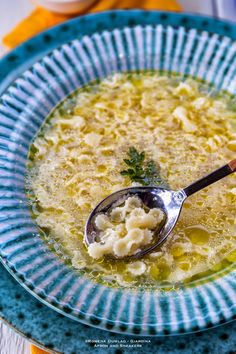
41,19
36,350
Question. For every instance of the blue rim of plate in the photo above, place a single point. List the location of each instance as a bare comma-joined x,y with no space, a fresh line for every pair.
98,23
23,56
55,333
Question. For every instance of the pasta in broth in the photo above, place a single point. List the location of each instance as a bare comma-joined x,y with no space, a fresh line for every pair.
76,159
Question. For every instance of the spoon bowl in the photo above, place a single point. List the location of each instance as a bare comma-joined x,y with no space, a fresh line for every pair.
170,202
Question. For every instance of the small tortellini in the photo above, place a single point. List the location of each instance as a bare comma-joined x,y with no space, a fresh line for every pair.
137,268
181,115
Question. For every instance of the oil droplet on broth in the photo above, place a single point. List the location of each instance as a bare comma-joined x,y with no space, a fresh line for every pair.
177,251
198,234
101,168
232,257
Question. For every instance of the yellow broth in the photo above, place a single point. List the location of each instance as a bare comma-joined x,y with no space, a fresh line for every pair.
75,161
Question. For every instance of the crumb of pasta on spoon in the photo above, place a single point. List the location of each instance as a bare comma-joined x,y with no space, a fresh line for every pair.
125,229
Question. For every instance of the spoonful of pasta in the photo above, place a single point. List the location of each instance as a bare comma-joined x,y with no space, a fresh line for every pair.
133,222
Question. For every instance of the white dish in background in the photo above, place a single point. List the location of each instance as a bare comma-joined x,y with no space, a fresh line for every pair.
65,6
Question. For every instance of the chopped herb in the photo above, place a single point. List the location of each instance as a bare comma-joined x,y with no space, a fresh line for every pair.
144,172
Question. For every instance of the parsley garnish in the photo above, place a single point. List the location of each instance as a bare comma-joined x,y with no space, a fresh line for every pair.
144,172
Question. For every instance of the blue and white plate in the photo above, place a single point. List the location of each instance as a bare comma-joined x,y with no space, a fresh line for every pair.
120,41
59,334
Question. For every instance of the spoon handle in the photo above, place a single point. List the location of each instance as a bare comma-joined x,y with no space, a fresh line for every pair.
211,178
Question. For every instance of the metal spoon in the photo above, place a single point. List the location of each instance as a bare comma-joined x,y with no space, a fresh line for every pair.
153,197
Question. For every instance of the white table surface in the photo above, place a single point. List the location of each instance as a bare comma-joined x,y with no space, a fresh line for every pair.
11,12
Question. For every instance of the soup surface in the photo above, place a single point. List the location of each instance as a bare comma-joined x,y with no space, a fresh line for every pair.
76,160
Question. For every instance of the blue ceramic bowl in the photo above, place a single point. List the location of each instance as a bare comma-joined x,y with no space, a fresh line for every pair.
138,45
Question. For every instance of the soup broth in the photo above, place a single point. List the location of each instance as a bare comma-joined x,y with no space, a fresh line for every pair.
75,161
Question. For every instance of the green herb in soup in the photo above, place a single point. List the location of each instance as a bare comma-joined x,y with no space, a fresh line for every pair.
144,173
